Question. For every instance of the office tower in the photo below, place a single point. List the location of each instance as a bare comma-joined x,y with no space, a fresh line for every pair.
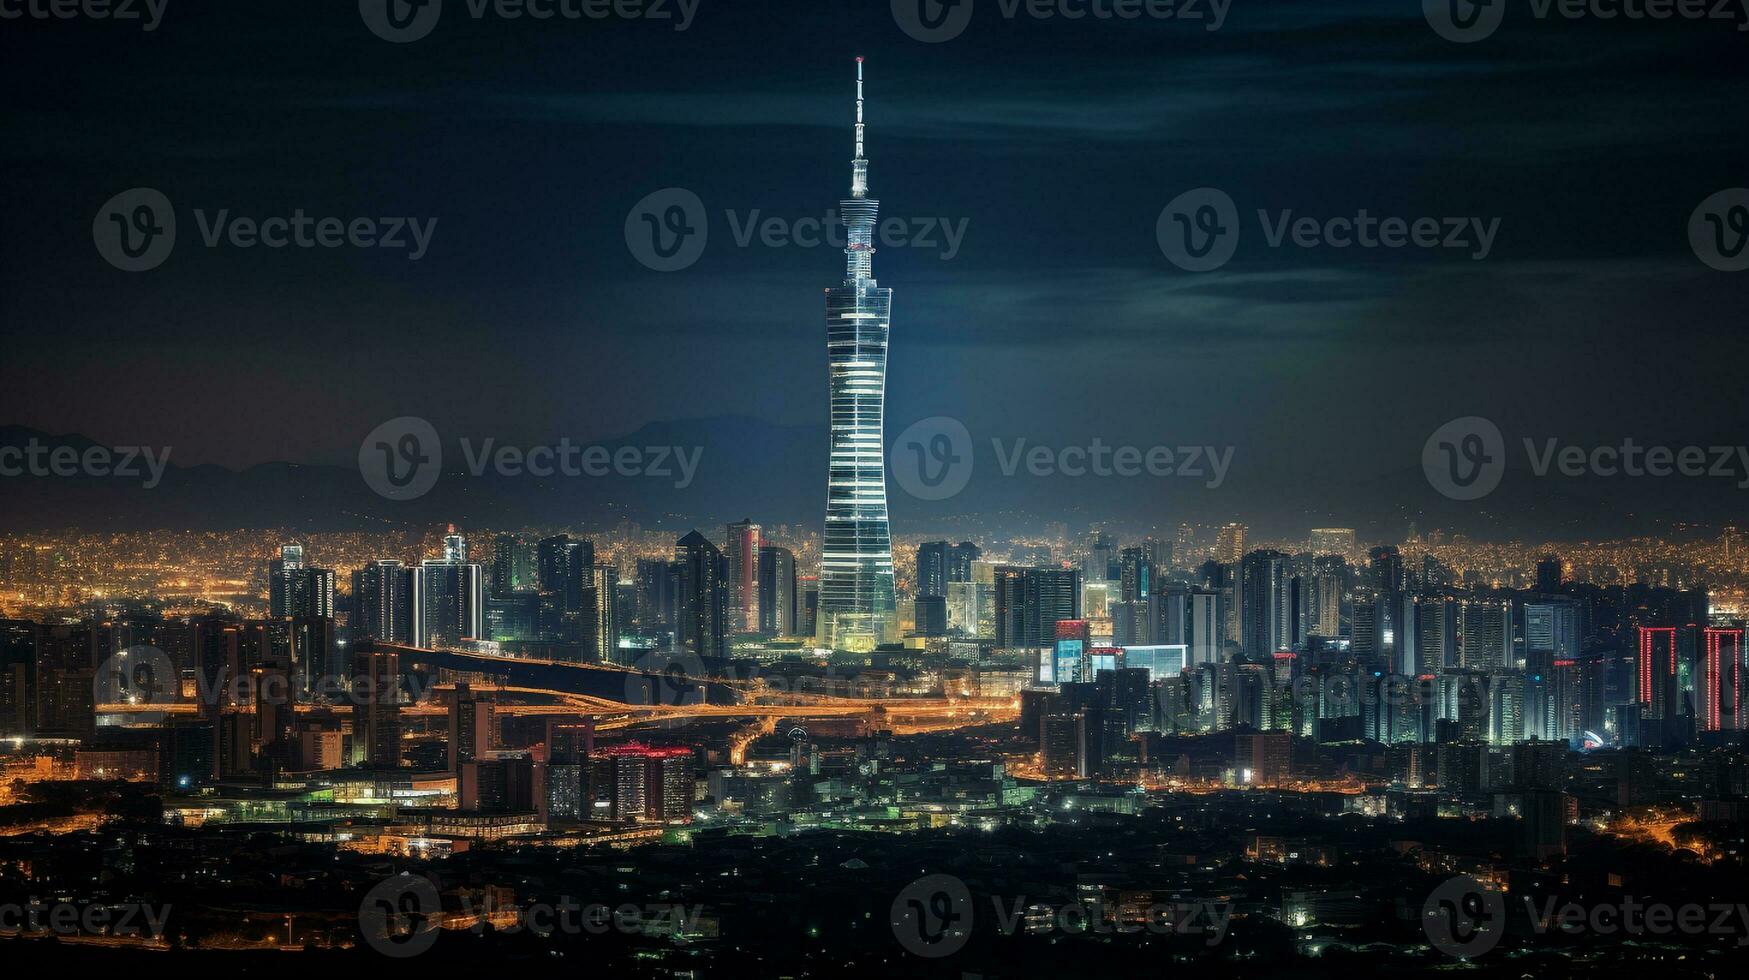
1329,583
297,589
513,617
857,608
929,616
1657,690
1387,569
66,671
1191,618
741,553
376,708
960,558
1266,614
1135,575
1230,544
777,591
808,608
449,597
1031,601
932,568
1719,686
1100,560
1434,630
1065,661
971,604
1506,708
473,726
1057,744
282,575
507,564
1264,760
702,602
17,678
641,783
1551,633
1485,635
601,615
1332,541
1434,574
313,653
554,558
1548,574
1161,661
382,602
658,593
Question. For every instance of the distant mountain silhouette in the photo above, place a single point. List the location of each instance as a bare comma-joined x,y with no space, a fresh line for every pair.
777,473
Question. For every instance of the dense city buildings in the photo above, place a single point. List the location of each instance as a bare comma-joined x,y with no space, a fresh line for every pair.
638,710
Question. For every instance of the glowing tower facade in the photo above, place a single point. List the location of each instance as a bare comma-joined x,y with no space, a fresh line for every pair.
857,608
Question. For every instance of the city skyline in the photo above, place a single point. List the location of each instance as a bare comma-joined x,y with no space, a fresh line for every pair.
1292,527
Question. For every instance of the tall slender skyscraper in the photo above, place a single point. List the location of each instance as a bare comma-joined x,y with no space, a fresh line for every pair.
857,608
742,554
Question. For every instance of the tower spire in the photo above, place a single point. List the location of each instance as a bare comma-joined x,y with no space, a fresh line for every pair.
859,166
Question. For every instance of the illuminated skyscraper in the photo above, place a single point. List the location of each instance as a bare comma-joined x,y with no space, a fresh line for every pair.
742,554
857,607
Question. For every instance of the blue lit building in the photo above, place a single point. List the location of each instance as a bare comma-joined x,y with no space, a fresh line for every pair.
857,610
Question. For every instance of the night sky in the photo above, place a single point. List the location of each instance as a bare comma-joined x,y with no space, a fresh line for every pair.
1056,142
